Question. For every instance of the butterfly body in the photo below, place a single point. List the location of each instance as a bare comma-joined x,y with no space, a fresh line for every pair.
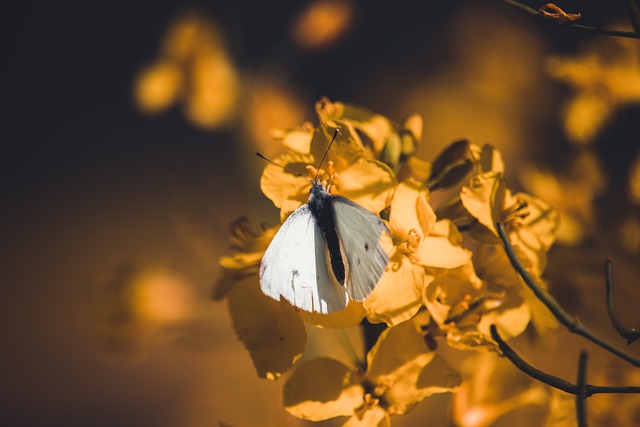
326,252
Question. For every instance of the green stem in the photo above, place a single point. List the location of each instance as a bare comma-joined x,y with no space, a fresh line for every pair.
358,363
572,324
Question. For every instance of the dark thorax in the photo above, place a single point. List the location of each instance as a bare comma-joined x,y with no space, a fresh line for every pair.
321,207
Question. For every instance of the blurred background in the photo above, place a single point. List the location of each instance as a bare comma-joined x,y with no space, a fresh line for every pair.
128,140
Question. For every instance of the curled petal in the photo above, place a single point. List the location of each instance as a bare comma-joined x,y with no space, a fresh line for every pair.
484,197
410,208
322,388
272,331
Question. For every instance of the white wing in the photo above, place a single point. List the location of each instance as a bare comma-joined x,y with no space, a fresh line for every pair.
359,232
294,267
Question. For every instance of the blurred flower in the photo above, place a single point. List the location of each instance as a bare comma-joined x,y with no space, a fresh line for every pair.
634,181
369,183
322,23
193,68
493,387
605,78
400,373
616,409
419,242
271,103
572,192
271,331
140,309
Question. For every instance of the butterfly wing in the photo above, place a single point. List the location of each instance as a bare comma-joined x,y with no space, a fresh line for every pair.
359,232
294,267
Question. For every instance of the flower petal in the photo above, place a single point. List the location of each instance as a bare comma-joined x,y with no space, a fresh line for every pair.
322,388
369,183
484,197
410,208
443,247
279,184
397,296
373,416
272,331
351,316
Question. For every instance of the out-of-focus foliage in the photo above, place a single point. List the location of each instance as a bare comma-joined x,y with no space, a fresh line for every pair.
322,23
605,77
194,69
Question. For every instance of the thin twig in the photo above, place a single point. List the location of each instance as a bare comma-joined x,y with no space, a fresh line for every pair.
572,324
631,334
581,410
537,16
634,16
553,381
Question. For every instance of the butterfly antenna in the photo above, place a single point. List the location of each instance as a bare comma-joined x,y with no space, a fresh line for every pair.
335,133
282,166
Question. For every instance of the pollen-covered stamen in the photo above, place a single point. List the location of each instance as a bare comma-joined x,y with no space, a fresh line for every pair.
410,246
519,210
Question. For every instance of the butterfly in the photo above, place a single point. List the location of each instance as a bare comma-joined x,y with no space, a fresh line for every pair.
326,252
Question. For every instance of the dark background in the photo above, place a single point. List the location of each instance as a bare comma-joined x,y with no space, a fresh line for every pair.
88,184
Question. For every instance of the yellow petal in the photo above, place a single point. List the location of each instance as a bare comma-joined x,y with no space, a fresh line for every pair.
322,388
395,347
352,315
426,375
484,197
410,208
227,279
443,247
346,149
373,416
272,331
296,140
279,185
397,296
487,158
369,183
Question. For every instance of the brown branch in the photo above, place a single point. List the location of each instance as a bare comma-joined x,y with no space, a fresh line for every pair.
572,324
553,381
581,410
631,334
537,16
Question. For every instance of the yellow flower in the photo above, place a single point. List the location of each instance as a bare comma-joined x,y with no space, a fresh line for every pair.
530,223
369,183
419,243
400,373
605,78
382,139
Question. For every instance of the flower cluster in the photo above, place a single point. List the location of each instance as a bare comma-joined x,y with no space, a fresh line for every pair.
447,275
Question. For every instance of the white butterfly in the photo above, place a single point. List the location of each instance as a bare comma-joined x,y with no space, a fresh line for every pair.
305,262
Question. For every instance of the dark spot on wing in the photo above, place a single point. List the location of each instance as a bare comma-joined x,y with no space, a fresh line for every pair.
295,273
366,246
358,261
